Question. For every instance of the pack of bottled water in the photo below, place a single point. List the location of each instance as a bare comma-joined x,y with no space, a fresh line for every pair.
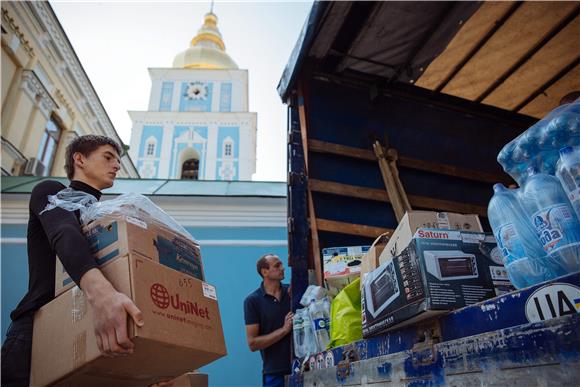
537,226
540,144
311,324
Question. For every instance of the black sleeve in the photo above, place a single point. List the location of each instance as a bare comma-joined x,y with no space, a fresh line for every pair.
251,313
63,231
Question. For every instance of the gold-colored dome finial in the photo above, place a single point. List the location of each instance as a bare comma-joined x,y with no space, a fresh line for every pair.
209,33
207,49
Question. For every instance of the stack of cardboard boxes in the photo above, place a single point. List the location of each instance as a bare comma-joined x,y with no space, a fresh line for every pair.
162,272
433,263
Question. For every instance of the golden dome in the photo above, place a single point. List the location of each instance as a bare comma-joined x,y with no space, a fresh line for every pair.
207,49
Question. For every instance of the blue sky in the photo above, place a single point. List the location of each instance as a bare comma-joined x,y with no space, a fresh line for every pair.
117,41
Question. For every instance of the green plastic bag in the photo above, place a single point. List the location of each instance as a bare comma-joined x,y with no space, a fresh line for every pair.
345,316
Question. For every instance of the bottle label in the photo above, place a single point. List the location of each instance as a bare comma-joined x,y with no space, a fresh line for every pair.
551,225
574,195
320,323
298,324
509,242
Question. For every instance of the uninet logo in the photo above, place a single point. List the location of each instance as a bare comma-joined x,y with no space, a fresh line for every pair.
159,295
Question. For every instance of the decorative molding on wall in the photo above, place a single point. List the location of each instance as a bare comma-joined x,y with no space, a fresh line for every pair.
71,65
189,211
8,21
64,102
38,93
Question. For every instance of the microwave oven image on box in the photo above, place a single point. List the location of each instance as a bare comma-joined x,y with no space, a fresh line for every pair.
449,265
383,289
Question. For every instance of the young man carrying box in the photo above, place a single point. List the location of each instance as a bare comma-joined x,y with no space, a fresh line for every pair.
92,163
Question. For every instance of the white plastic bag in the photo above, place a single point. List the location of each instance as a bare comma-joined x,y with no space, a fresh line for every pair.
132,204
313,293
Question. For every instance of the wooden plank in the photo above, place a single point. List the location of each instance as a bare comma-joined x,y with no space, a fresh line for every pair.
352,228
341,150
451,170
311,212
303,133
348,190
393,156
447,205
388,179
408,162
315,242
381,196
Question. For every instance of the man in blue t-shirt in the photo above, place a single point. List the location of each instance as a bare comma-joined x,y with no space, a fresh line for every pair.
269,321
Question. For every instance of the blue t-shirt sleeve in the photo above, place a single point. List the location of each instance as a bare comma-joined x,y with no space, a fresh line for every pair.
251,313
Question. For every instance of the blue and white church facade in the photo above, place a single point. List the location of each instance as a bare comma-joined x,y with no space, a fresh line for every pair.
197,125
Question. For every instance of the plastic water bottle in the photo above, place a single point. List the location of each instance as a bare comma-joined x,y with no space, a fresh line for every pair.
309,343
524,257
556,224
320,324
298,333
568,171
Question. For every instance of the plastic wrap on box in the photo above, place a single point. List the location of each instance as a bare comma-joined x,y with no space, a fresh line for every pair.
131,204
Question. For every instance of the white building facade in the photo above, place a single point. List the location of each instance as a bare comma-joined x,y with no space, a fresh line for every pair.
47,98
197,125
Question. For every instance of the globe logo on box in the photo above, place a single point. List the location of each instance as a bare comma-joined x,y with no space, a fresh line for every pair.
159,295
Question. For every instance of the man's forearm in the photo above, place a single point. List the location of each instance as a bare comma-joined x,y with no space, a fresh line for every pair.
94,284
262,342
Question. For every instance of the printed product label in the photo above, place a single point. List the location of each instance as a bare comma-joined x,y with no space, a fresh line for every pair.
443,220
510,243
209,291
137,222
498,273
550,224
320,323
574,197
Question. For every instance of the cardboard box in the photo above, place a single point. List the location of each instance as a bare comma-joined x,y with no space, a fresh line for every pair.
437,272
341,266
182,331
191,379
112,237
370,261
414,220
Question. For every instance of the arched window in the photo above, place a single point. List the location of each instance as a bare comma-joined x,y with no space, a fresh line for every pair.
150,146
228,148
150,149
49,145
190,169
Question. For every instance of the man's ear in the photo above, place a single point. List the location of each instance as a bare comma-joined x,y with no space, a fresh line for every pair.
79,159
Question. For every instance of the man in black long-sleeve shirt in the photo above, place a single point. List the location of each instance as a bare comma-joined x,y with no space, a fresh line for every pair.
92,163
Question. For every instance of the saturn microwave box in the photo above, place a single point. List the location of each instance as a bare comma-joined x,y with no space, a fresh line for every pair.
182,330
440,270
370,261
111,237
413,220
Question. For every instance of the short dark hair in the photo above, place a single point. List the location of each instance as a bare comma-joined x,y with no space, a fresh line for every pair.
86,145
263,263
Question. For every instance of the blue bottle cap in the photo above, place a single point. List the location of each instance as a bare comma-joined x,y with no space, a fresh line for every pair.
566,150
499,187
